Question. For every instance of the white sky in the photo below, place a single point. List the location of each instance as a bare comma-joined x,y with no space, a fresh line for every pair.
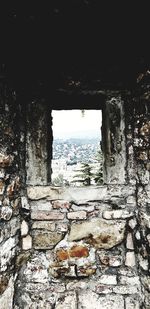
71,123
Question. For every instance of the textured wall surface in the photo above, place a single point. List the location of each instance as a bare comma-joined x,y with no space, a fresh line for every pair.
69,248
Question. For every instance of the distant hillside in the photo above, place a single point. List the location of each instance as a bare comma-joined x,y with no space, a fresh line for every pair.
80,134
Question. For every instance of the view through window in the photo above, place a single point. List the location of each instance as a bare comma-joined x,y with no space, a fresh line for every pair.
77,156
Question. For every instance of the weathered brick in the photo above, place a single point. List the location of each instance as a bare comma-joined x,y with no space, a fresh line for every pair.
47,215
60,204
45,225
77,215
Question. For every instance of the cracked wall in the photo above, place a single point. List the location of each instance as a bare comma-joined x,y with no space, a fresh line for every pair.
75,247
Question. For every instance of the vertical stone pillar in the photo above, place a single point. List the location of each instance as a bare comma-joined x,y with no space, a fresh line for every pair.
38,143
114,149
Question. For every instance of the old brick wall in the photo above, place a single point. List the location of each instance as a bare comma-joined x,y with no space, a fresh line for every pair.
77,247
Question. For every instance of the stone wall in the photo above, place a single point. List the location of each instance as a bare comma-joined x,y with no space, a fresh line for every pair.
11,177
69,248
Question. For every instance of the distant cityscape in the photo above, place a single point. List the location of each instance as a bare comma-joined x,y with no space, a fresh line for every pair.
68,156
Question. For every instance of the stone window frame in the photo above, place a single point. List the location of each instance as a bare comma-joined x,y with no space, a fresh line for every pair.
39,136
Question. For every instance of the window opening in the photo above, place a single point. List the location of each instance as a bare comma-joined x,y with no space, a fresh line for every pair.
76,151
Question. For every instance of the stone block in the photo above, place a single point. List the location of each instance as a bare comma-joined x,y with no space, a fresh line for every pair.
62,227
44,225
24,203
40,205
60,204
90,300
108,279
125,280
125,289
86,208
24,228
110,260
132,223
98,232
129,242
77,251
117,214
66,301
130,259
77,215
46,240
47,215
27,242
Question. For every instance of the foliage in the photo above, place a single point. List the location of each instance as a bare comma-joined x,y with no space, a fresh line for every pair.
59,181
85,175
98,176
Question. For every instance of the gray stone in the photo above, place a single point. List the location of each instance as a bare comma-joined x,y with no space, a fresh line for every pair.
125,289
132,303
66,301
77,215
125,280
6,299
9,229
36,270
83,207
47,215
6,213
77,195
46,240
40,205
98,232
90,300
44,225
8,251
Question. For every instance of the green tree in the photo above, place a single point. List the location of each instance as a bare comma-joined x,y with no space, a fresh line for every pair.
85,175
60,181
98,176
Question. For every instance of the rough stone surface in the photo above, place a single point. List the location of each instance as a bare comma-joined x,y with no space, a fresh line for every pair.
24,228
47,215
132,303
102,259
46,240
6,300
77,215
117,214
99,233
88,300
27,242
130,259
